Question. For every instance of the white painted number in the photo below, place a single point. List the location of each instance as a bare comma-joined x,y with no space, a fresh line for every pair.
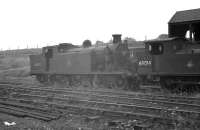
144,63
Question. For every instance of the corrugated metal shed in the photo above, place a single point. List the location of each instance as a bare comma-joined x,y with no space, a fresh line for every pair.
186,16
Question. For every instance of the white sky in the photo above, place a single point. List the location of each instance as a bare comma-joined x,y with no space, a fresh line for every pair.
49,22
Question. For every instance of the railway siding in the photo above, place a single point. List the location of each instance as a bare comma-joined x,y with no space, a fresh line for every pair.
121,103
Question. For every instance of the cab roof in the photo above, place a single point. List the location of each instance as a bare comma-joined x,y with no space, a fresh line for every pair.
165,40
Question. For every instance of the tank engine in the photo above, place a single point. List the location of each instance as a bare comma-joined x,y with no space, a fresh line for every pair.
113,65
176,59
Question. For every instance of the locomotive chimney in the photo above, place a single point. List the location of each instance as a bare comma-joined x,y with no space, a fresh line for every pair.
117,38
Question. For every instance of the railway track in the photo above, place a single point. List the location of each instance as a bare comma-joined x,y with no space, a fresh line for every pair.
110,102
27,110
125,94
119,98
110,94
140,109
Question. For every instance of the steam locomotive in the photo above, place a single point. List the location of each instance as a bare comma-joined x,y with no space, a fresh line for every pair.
176,59
114,65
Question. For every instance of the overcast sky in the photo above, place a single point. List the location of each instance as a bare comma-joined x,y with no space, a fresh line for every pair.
49,22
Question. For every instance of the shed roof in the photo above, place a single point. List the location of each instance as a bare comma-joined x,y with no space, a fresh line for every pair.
186,16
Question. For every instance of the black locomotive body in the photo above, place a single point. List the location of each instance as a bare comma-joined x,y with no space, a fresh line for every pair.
111,65
141,61
176,60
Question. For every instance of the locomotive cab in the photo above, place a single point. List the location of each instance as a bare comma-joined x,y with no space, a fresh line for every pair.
166,46
176,59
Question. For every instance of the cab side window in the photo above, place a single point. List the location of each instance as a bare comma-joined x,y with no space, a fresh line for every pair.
49,53
156,48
